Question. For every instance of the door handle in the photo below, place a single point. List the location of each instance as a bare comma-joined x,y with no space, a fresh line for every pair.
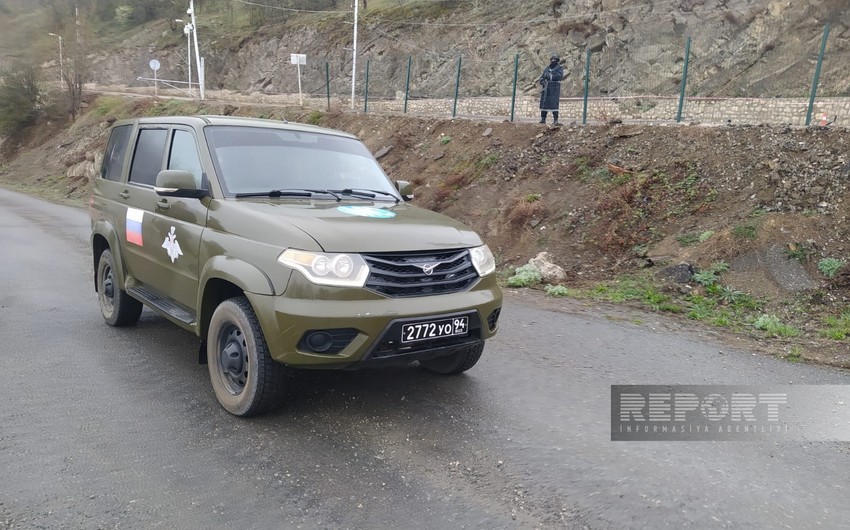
163,204
125,194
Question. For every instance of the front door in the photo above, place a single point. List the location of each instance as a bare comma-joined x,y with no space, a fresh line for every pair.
164,233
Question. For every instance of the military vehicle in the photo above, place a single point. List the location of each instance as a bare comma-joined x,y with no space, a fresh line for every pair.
282,246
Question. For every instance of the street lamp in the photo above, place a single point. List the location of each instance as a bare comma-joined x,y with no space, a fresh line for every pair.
187,30
61,72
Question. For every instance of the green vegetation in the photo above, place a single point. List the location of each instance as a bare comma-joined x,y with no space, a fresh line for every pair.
773,327
315,117
693,238
488,160
525,276
795,355
830,266
745,231
20,98
532,197
838,327
559,290
799,251
710,276
444,139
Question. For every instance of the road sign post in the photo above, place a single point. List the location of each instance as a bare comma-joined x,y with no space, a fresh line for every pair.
298,59
154,64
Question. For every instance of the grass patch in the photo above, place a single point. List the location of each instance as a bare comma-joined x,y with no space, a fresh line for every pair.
795,355
560,290
838,327
773,327
745,231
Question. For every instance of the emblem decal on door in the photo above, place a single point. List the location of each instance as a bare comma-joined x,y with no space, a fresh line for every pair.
172,246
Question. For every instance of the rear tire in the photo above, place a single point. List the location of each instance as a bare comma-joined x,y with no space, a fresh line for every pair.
117,307
246,380
455,363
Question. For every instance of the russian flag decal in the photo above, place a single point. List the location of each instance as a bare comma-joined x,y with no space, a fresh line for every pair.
134,226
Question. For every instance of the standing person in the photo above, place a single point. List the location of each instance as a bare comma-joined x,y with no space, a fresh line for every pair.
551,95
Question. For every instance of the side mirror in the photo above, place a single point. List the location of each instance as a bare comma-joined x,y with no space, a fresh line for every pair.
178,183
405,189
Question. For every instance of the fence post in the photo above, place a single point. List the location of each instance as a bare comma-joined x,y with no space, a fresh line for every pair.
513,94
328,83
586,86
366,92
457,87
407,83
684,81
817,75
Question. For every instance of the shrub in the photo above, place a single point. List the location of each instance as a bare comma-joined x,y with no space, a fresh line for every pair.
20,98
830,266
525,276
557,290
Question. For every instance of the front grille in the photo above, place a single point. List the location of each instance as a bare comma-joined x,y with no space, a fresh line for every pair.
402,274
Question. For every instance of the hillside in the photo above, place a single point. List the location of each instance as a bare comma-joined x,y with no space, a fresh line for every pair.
763,48
727,227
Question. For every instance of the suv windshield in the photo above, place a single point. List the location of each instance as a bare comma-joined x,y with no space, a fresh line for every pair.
255,160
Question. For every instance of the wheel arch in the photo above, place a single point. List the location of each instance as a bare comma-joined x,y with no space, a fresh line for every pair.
105,237
225,277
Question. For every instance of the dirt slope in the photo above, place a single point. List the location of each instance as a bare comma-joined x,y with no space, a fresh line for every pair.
608,203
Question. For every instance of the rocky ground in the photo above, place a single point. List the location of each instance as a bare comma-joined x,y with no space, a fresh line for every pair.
727,227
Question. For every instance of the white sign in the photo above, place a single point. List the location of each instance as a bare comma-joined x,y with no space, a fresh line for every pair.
298,58
154,64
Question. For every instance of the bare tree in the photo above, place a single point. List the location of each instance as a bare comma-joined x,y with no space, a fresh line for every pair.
77,71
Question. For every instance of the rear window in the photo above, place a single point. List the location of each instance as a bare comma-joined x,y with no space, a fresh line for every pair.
116,152
147,159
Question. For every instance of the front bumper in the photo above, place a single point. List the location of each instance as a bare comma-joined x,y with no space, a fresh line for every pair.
371,323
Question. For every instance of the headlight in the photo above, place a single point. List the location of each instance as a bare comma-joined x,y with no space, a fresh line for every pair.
346,270
483,260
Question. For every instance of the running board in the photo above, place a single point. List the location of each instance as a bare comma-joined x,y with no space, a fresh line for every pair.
163,304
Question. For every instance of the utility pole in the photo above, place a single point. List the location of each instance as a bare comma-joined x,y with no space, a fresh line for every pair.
354,56
61,61
191,13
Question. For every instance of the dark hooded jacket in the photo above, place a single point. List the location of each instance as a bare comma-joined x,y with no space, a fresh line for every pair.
551,81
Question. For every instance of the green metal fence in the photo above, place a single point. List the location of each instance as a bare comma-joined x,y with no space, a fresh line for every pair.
604,82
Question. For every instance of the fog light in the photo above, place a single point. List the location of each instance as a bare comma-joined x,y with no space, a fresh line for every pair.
319,341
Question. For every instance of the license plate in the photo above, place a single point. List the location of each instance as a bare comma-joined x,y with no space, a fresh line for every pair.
435,329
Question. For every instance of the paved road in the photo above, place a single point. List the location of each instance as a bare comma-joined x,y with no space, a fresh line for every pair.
106,428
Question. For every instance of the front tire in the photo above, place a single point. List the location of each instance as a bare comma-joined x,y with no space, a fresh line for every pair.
117,307
455,363
244,377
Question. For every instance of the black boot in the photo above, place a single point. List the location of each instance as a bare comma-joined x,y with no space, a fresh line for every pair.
556,122
543,116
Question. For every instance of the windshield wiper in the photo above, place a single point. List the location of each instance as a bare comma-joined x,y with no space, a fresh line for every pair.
295,192
366,193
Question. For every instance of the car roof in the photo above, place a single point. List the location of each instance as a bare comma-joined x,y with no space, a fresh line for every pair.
233,121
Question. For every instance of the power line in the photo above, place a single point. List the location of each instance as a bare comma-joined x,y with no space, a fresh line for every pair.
288,8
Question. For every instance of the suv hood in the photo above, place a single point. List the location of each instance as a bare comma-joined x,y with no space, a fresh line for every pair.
365,226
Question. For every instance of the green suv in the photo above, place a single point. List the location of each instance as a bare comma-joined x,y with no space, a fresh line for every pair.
282,245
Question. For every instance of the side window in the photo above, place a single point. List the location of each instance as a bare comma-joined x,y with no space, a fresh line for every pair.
147,160
184,155
116,151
